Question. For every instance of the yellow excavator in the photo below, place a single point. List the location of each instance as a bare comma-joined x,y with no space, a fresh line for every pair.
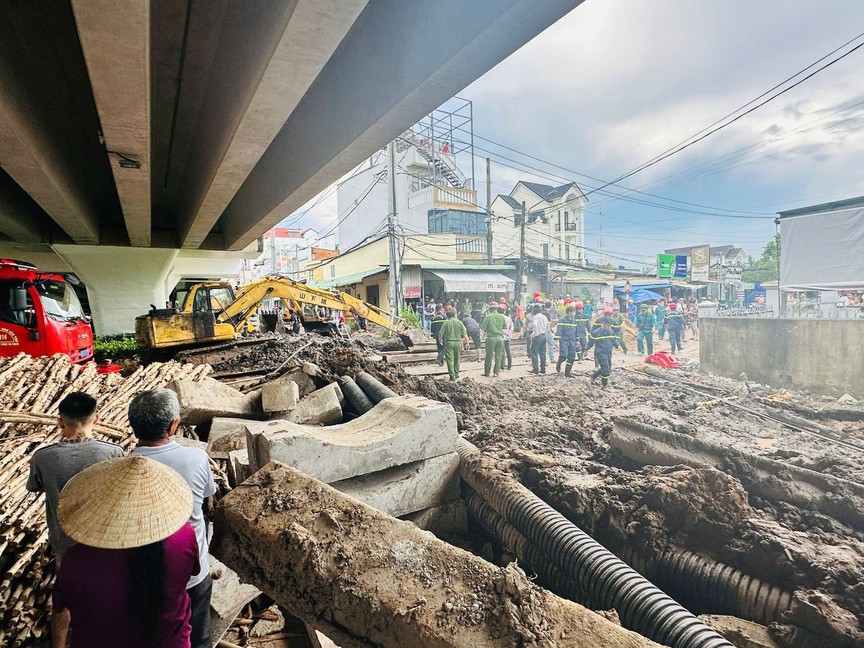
212,312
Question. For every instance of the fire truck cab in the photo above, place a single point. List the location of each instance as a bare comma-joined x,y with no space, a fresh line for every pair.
40,314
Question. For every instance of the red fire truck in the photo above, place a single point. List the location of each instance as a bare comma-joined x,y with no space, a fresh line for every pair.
40,314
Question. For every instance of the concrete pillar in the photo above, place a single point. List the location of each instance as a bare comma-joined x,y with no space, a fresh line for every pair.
121,282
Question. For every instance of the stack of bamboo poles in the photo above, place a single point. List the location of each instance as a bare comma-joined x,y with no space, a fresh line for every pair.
30,392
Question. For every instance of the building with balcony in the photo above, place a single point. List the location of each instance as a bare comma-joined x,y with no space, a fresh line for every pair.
554,226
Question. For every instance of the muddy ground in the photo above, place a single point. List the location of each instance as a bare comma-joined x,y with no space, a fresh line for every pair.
554,434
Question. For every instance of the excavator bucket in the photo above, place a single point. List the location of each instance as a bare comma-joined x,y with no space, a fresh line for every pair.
406,340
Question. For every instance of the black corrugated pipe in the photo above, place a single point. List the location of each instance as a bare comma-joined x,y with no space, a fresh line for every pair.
713,586
529,555
374,388
357,399
609,582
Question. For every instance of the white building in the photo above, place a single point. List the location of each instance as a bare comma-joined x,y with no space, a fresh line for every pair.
555,226
287,251
424,182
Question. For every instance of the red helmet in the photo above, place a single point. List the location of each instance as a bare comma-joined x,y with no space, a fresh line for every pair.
673,305
536,294
607,310
538,300
578,304
493,304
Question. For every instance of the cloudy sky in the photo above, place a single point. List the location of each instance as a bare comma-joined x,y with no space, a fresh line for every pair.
617,82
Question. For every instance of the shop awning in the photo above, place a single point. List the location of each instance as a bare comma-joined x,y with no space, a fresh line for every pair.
347,280
474,281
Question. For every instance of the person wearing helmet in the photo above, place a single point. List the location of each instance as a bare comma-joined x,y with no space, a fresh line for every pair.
493,325
674,323
604,340
537,339
645,328
567,341
583,325
618,326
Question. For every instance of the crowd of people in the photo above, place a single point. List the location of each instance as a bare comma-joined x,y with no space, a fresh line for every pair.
576,325
128,533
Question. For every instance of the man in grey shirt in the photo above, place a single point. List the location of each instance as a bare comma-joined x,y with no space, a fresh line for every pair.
54,465
154,416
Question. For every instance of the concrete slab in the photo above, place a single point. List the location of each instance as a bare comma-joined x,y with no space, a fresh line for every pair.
407,488
450,518
238,467
202,401
321,407
229,597
396,431
304,380
225,435
280,396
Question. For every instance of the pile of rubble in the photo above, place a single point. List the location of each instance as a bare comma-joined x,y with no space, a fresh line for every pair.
30,392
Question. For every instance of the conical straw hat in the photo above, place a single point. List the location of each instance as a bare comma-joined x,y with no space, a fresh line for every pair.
124,503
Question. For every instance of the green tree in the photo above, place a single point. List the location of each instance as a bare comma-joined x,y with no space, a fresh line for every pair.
766,268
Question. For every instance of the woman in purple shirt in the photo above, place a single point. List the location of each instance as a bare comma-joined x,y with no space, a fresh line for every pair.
124,583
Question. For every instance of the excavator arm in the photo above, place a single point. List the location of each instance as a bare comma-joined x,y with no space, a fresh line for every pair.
249,298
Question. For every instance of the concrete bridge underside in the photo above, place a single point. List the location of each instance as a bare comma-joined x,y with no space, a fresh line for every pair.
182,129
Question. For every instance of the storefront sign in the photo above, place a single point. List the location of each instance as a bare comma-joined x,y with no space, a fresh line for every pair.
700,263
412,292
732,276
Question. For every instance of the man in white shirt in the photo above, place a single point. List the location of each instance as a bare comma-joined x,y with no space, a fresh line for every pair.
154,416
537,331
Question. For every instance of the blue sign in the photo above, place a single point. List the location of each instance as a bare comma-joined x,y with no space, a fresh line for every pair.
680,267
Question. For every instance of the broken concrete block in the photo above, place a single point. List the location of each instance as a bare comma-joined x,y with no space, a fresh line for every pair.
219,448
270,622
407,488
238,467
450,518
201,401
228,599
396,431
321,407
357,574
312,370
280,396
304,381
190,443
846,399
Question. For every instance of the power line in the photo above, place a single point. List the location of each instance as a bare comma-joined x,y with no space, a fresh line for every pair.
717,125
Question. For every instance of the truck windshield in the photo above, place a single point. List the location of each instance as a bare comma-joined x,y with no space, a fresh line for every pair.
59,300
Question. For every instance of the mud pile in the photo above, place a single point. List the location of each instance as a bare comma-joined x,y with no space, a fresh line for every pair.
553,433
334,356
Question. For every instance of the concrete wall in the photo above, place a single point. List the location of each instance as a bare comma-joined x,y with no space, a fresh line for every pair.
816,354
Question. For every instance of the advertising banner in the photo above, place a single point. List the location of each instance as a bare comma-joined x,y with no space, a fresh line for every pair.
665,266
679,270
700,263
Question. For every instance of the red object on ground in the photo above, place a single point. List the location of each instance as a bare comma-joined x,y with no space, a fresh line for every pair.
107,367
663,359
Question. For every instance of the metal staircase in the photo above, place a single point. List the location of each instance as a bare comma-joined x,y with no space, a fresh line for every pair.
442,168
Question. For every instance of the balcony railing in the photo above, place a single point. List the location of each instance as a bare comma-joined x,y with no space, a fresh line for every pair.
568,227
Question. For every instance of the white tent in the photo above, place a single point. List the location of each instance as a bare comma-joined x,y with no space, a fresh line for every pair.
822,247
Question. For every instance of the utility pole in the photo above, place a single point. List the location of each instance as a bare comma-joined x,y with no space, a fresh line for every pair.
395,265
273,251
521,269
488,212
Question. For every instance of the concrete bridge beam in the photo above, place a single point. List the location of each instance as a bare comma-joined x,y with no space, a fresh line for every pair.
119,70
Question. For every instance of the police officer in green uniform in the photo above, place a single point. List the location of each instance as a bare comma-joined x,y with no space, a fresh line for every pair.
453,335
493,325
